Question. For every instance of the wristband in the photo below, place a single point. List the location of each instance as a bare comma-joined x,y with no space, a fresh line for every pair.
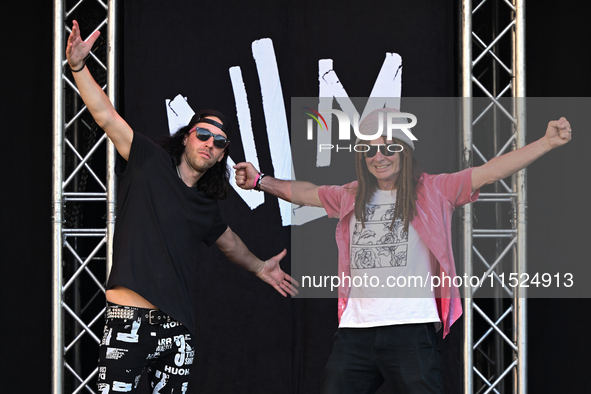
80,69
256,180
257,185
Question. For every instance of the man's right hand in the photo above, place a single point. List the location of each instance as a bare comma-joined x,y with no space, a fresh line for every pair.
245,175
77,50
97,102
299,193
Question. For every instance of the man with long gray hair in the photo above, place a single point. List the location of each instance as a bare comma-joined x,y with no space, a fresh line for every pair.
399,220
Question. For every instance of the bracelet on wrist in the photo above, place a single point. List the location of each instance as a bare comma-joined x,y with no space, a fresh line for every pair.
257,183
256,180
80,69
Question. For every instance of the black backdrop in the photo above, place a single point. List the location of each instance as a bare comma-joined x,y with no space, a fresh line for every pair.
254,343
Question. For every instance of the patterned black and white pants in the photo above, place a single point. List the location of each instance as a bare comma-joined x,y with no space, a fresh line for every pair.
130,346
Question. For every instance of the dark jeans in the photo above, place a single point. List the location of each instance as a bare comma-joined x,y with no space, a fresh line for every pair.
407,356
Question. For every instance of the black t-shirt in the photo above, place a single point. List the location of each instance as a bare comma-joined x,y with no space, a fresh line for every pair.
161,223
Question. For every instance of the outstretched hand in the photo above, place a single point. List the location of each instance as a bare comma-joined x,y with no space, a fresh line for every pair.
245,175
272,273
558,132
77,49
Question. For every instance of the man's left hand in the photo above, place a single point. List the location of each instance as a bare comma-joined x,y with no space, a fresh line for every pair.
272,273
558,132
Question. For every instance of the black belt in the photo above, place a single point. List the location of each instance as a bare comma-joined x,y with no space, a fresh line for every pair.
150,316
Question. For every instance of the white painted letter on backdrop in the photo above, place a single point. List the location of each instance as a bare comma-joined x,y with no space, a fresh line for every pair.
385,93
275,116
252,198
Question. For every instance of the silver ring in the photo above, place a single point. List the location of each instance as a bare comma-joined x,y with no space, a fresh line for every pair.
570,130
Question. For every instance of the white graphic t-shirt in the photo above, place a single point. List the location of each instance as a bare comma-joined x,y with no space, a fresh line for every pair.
390,270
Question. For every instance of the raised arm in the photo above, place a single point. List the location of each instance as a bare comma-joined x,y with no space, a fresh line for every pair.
297,192
269,271
557,134
96,100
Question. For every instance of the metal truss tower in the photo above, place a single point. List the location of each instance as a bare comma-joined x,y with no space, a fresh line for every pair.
494,228
83,199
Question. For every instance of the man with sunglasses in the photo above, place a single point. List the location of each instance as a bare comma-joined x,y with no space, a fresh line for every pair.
395,221
167,206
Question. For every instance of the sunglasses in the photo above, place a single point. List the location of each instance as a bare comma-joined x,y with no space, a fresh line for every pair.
386,150
219,141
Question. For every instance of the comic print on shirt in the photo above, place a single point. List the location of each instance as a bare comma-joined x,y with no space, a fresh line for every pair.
378,245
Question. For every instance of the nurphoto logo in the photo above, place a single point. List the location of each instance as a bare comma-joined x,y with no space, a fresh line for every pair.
389,121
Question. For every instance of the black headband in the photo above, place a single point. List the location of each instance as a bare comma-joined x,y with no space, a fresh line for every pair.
198,118
213,122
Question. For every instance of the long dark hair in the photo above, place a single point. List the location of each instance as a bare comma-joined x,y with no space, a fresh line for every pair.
215,182
406,187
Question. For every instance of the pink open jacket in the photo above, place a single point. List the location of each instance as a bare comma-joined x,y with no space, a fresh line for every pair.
437,197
